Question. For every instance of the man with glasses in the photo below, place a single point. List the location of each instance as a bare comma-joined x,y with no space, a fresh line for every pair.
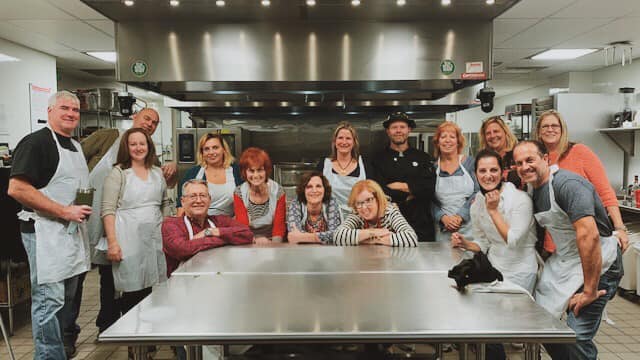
185,236
407,175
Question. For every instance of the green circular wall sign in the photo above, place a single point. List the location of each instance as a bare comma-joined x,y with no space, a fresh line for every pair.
139,68
447,67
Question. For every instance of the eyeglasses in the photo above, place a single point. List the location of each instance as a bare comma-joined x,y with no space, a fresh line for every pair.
550,126
194,197
367,202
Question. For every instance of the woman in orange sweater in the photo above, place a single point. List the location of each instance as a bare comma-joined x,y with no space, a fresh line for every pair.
551,129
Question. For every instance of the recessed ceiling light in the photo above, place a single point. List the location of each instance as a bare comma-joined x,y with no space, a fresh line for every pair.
108,56
311,2
401,2
128,2
7,58
219,3
174,2
562,54
446,2
355,2
491,2
266,2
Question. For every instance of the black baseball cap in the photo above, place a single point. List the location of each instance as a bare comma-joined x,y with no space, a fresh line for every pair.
398,116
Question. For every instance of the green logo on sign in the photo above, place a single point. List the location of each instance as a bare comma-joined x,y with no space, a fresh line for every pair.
139,68
447,67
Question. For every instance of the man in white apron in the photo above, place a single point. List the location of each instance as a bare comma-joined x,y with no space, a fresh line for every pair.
584,272
49,168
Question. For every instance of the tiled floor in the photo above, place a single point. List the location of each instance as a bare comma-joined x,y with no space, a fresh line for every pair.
617,340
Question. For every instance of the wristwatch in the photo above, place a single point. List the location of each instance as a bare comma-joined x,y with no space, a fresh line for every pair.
208,232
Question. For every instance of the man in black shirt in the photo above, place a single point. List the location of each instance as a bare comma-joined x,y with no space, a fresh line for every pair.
48,168
407,175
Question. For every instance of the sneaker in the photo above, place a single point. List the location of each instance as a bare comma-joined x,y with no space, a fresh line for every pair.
70,351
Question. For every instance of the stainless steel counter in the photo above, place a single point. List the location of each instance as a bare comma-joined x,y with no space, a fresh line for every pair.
310,259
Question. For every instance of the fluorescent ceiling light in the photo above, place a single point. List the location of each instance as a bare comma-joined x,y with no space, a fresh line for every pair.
355,2
219,3
311,2
108,56
174,2
266,2
491,2
401,2
7,58
128,2
562,54
446,2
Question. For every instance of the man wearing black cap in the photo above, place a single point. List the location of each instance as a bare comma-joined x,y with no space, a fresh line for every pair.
407,175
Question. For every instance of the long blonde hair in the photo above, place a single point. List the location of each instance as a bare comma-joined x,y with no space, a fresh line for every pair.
563,144
510,138
228,158
355,151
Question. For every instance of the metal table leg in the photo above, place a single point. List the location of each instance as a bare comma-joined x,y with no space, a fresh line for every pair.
140,352
463,351
194,352
480,351
6,339
439,353
531,351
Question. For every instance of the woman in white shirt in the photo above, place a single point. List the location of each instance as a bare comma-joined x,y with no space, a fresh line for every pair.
502,224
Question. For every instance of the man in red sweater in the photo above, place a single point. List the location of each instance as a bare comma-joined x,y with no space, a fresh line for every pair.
185,236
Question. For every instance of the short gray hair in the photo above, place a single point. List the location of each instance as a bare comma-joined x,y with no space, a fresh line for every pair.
192,182
64,94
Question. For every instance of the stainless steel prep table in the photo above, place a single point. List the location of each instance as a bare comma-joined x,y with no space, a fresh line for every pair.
300,294
310,259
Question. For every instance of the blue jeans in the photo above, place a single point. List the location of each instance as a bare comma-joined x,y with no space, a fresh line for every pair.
587,322
48,311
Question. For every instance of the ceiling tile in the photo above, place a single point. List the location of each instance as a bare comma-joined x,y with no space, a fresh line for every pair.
510,55
29,39
598,9
535,8
73,33
81,61
506,28
548,33
77,8
106,26
31,9
618,30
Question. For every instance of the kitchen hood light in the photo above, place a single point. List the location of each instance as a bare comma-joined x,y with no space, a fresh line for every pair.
108,56
7,58
491,2
355,2
562,54
446,2
128,2
311,2
401,2
219,3
266,2
174,3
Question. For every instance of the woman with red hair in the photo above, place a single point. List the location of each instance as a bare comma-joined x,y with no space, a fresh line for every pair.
260,202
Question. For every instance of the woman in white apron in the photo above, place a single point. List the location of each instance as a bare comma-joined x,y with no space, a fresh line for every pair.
313,215
216,166
345,167
455,183
134,202
260,202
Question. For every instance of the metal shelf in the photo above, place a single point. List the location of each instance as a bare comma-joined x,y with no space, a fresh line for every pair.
625,138
631,209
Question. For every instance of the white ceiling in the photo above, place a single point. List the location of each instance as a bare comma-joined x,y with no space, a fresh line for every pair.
66,28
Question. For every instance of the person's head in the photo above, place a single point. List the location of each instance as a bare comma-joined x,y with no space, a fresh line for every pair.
255,166
398,126
147,119
136,145
63,112
313,188
368,200
532,162
551,129
496,135
448,139
488,166
345,140
195,198
213,150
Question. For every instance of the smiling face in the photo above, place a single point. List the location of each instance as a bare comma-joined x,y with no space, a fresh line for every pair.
488,173
64,116
146,119
530,165
550,130
344,142
314,191
448,142
256,175
495,137
138,147
195,200
213,152
367,206
398,132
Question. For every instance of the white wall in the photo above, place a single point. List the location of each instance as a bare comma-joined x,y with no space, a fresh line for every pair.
34,67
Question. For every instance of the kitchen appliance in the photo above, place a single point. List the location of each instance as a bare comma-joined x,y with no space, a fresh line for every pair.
288,175
99,99
519,118
626,116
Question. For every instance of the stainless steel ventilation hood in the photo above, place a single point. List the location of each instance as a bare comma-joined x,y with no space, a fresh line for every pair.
292,58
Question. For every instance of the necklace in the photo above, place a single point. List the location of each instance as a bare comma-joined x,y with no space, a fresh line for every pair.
343,169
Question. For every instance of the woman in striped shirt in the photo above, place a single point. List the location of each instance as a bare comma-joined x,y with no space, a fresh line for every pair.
374,221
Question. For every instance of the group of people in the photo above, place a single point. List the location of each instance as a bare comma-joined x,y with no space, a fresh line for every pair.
397,197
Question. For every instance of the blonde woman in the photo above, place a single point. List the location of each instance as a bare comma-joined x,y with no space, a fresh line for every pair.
374,221
495,135
217,167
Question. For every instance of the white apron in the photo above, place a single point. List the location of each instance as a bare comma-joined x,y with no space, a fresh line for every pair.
187,223
138,221
263,225
94,224
341,185
61,255
221,194
452,192
562,275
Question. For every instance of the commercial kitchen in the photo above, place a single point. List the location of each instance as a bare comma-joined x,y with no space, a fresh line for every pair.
281,75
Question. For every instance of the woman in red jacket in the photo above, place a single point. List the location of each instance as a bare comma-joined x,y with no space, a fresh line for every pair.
260,202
